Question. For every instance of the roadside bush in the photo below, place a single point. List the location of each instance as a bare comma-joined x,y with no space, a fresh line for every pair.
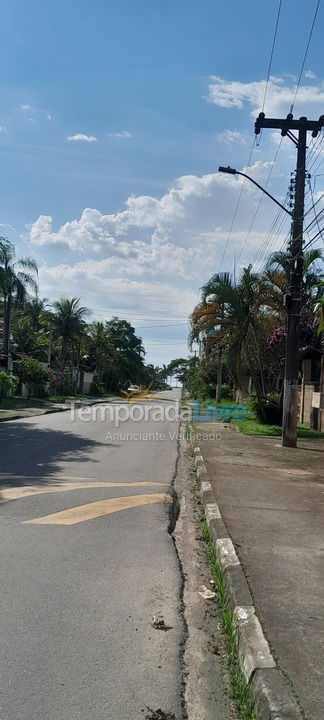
227,392
8,384
96,387
34,375
266,409
196,385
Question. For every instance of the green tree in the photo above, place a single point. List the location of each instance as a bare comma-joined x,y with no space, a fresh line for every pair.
68,325
229,316
8,384
276,281
16,278
101,353
127,355
33,374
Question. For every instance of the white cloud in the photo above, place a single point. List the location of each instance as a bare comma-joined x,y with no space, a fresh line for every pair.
310,74
121,134
25,107
280,93
49,116
180,235
152,256
232,136
82,137
3,129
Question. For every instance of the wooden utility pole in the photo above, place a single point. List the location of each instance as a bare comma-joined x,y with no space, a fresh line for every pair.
293,298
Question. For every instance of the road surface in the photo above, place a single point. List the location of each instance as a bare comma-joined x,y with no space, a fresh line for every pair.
86,562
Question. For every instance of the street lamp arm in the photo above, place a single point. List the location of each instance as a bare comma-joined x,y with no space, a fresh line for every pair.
232,171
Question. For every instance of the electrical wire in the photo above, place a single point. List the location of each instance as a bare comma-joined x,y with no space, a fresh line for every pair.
236,208
316,216
314,204
271,53
254,140
305,54
273,231
260,201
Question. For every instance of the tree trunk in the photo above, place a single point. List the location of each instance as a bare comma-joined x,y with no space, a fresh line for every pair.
219,377
259,358
6,329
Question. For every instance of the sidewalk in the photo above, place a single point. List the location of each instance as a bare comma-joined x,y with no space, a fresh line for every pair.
48,407
272,501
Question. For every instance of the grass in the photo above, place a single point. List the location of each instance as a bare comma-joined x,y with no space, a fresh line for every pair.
240,690
14,403
4,414
249,425
253,427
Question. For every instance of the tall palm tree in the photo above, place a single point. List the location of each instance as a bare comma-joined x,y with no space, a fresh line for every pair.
276,277
68,324
227,316
99,348
16,277
35,309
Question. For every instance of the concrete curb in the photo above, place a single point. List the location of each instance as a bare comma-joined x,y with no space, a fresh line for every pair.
270,694
78,404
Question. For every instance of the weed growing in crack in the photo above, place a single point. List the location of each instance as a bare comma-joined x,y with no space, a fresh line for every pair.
240,690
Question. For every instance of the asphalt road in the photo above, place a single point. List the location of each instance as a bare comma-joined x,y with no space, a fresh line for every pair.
84,567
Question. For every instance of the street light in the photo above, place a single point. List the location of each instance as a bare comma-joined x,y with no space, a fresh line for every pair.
231,171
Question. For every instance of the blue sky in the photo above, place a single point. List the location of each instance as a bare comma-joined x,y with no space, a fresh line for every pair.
114,117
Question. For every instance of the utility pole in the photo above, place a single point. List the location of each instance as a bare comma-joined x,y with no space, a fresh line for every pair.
293,298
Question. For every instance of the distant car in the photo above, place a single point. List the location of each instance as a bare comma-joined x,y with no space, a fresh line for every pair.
133,388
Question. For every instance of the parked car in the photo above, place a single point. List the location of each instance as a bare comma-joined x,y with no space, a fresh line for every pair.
133,388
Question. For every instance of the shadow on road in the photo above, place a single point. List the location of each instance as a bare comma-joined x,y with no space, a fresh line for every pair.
29,455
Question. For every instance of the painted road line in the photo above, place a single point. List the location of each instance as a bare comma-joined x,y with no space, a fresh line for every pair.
17,493
98,509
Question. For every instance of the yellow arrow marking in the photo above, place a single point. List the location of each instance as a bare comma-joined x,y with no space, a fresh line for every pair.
98,509
24,491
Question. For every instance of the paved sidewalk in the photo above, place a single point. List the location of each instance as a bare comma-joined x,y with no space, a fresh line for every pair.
272,501
49,407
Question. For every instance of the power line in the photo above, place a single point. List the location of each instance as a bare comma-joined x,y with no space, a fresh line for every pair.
271,53
254,141
273,230
311,192
151,327
260,201
305,55
312,240
314,204
236,208
315,220
315,149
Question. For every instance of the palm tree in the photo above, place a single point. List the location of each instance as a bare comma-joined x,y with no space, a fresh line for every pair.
35,309
100,348
68,324
16,277
227,316
277,273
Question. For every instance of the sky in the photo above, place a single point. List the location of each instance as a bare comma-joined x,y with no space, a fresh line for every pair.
114,118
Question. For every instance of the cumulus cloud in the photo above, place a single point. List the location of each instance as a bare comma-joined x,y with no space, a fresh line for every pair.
180,235
188,207
310,74
232,136
121,134
154,254
82,137
25,107
280,93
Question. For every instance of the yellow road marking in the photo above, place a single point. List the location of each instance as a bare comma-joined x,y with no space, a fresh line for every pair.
98,509
17,493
